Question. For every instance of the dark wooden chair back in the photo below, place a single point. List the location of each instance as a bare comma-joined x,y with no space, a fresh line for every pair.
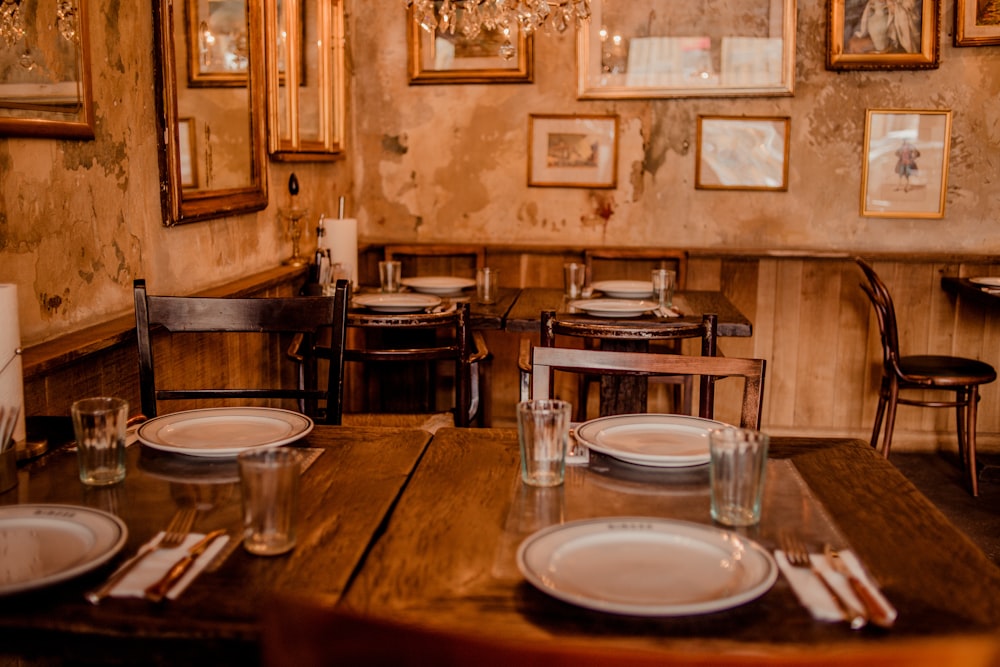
437,259
303,317
425,337
545,360
634,263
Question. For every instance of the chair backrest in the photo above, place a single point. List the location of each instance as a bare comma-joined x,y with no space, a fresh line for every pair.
303,316
437,259
606,263
545,360
449,338
885,314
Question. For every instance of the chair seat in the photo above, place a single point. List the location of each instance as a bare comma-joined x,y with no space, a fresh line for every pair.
945,371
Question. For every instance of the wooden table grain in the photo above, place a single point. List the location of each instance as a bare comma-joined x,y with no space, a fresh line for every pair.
446,559
345,495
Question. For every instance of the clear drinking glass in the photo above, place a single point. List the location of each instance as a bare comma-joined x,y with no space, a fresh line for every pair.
664,281
269,480
737,472
543,432
574,278
389,275
99,425
487,285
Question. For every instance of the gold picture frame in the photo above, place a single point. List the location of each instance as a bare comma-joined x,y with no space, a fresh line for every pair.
572,151
977,22
446,57
869,35
654,49
905,172
187,143
45,81
216,43
742,153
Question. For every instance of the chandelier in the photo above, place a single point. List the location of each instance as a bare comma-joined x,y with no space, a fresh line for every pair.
471,17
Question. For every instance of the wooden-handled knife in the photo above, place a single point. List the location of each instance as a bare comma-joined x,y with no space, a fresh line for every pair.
877,612
157,591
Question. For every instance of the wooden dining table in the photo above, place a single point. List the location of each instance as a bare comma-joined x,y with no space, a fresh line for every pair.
984,295
349,488
447,558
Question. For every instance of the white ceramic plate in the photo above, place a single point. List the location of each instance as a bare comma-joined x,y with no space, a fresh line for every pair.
439,285
645,566
660,441
614,307
45,544
625,289
222,432
991,281
399,302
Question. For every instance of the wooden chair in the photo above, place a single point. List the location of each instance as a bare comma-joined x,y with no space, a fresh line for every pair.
959,375
304,632
618,398
437,259
304,316
398,344
634,263
708,369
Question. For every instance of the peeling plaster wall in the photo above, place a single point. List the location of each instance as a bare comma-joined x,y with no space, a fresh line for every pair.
448,162
79,220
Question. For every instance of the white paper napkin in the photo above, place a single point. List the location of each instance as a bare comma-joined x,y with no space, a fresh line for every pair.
155,565
814,596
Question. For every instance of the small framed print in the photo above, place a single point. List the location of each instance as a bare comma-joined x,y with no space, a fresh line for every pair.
445,56
883,34
572,151
905,173
977,22
186,141
742,153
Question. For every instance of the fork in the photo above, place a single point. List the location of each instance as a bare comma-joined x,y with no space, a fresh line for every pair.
173,536
798,556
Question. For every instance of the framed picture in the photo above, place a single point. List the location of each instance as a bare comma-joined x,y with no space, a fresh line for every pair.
492,56
217,43
45,84
187,142
656,49
905,173
742,153
883,34
572,151
977,22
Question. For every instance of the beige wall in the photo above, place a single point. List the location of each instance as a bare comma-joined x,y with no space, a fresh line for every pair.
80,219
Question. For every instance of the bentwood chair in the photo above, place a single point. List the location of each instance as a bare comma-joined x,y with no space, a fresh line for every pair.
400,354
624,396
259,322
937,373
707,369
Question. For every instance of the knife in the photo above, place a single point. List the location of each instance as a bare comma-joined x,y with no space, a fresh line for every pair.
157,591
877,612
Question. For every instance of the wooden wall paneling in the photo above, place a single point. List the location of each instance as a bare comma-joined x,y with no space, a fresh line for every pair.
852,389
738,281
783,366
763,330
817,343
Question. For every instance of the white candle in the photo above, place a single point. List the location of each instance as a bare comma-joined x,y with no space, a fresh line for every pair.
11,375
343,235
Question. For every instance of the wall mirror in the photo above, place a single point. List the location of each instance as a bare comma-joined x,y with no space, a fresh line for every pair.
305,78
660,48
45,87
213,141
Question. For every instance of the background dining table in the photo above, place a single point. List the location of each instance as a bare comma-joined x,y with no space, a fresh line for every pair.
346,493
465,512
983,294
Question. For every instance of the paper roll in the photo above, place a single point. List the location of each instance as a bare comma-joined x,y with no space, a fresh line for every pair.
11,375
343,242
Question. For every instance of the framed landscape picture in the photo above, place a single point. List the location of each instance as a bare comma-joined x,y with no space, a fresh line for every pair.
572,151
977,22
742,153
905,171
883,34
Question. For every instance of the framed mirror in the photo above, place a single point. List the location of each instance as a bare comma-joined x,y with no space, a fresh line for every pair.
305,79
213,155
661,48
45,86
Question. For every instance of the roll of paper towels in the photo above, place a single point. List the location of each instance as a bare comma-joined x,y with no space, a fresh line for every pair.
343,242
11,374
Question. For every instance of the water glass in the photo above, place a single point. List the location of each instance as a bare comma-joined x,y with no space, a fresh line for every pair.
574,278
737,470
389,275
99,426
664,281
487,285
543,432
269,480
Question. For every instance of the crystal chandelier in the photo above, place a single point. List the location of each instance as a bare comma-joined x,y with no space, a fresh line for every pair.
470,17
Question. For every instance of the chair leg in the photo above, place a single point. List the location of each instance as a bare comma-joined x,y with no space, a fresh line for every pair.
890,419
879,415
970,439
